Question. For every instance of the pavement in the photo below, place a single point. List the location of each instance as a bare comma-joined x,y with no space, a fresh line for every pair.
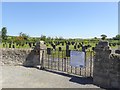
24,77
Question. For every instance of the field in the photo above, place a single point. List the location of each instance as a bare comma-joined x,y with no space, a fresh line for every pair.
75,46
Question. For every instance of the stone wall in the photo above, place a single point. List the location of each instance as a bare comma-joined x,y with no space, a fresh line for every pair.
106,72
26,57
14,56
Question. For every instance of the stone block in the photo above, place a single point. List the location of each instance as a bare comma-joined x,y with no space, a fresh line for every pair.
103,43
114,84
102,82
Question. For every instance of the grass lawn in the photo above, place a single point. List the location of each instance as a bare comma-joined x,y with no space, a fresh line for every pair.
71,47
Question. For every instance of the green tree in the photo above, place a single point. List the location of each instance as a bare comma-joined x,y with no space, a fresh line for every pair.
4,33
25,36
118,36
95,38
43,37
103,36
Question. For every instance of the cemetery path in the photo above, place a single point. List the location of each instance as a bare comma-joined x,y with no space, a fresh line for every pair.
22,77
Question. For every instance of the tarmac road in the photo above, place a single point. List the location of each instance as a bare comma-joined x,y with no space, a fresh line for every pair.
22,77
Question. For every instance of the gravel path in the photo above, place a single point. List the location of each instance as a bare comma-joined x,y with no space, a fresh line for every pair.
22,77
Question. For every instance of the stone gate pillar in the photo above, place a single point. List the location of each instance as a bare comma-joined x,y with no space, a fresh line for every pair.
106,70
35,57
40,50
101,64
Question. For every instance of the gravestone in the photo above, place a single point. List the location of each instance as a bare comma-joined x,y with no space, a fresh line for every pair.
83,48
54,47
75,47
78,46
68,53
62,43
9,45
29,44
3,45
60,49
67,47
13,46
49,51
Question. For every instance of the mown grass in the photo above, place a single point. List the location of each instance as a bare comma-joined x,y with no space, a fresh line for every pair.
71,47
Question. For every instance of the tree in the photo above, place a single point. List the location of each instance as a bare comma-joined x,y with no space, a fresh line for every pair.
95,38
118,36
4,33
103,36
61,38
25,36
43,37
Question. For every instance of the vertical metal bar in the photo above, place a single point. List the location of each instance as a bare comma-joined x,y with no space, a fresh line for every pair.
48,61
71,69
85,64
80,71
58,60
62,60
64,64
67,64
90,63
51,59
55,60
93,58
75,70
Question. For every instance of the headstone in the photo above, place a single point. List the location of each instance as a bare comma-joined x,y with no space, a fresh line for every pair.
30,45
60,49
49,51
3,45
54,47
68,43
72,43
67,53
67,47
74,46
117,51
82,43
93,48
9,45
83,48
22,44
78,46
13,46
17,44
62,43
33,43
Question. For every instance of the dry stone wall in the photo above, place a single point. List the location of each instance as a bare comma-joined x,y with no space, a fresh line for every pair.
14,56
26,57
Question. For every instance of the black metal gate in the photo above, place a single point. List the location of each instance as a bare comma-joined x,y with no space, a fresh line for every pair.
59,61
